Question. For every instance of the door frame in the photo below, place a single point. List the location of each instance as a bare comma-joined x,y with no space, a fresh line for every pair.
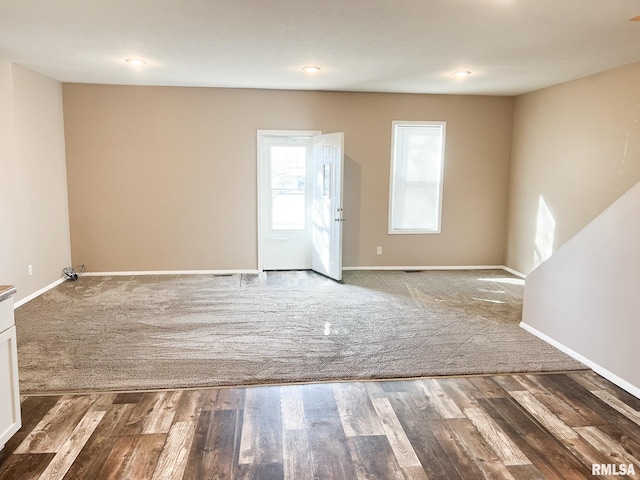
262,170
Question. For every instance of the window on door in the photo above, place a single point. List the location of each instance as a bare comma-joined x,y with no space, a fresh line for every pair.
288,187
417,161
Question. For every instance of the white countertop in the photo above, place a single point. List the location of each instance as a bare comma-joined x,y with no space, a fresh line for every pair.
6,291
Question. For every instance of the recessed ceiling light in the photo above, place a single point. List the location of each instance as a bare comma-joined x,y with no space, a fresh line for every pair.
461,73
311,69
135,62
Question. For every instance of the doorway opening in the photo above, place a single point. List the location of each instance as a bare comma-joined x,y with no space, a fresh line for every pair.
284,162
300,210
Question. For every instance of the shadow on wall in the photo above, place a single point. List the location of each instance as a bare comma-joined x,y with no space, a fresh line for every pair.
352,186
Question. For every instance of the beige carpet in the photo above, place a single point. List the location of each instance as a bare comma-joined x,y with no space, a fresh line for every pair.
147,332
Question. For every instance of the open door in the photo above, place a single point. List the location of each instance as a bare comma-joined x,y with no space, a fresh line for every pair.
327,214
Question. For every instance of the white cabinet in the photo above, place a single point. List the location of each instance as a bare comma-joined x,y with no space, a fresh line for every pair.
10,420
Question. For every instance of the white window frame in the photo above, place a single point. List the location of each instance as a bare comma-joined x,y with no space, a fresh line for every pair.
394,125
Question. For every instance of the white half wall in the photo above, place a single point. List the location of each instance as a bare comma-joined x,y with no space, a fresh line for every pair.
586,298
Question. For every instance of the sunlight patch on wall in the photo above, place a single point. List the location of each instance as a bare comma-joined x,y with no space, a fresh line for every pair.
545,234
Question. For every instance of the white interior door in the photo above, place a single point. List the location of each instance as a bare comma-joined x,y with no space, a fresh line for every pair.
327,213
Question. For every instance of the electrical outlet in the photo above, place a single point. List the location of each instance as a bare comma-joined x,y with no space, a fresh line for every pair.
30,270
379,250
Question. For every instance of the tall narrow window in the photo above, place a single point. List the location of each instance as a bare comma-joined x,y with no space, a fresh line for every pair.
417,161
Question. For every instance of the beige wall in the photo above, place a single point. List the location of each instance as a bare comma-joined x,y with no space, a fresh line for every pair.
578,146
33,190
165,178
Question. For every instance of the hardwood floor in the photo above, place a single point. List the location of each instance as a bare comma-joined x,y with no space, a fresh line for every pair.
552,426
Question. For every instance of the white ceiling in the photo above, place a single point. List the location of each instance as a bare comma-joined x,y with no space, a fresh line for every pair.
511,46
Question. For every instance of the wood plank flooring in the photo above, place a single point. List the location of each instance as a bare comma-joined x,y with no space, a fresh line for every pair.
539,426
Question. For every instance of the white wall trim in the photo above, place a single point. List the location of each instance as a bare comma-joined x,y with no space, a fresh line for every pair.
612,377
168,272
514,272
255,271
431,267
28,298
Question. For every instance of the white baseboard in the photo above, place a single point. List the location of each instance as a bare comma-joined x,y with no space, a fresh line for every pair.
167,272
431,267
612,377
514,272
252,271
37,294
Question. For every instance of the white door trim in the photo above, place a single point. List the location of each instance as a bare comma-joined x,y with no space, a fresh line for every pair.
261,172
